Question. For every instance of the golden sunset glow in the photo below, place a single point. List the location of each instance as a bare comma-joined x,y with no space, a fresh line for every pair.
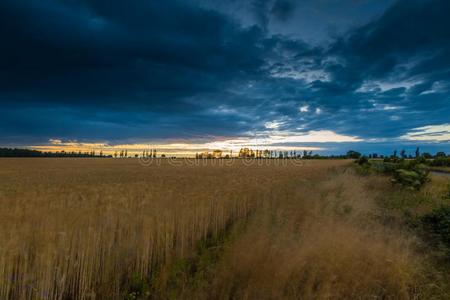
273,140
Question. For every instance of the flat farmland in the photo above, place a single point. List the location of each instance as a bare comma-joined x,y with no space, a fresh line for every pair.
207,229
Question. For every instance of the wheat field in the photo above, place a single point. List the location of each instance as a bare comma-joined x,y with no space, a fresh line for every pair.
82,228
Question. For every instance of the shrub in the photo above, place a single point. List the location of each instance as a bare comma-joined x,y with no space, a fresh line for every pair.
440,162
410,174
362,160
353,154
421,160
137,288
393,159
364,167
385,167
438,223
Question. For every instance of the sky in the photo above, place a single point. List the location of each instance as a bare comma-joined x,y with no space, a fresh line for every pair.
185,76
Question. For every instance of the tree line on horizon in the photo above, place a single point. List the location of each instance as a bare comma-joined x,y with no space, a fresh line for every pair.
243,153
397,155
21,152
251,153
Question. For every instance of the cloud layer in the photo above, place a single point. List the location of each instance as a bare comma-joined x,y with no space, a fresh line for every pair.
117,72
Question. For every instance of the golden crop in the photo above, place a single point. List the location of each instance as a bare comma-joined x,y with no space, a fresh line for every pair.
80,228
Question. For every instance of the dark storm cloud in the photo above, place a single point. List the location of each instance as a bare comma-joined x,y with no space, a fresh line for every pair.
283,9
415,32
264,10
130,71
108,49
400,60
144,57
260,9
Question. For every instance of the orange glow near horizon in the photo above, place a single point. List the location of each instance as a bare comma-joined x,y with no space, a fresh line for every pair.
167,149
273,140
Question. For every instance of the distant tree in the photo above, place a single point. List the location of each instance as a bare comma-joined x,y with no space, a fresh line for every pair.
115,154
417,152
395,153
8,152
427,155
305,153
353,154
126,153
217,153
440,154
403,153
246,152
154,153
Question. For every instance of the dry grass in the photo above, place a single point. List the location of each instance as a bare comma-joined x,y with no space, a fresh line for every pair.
326,239
81,228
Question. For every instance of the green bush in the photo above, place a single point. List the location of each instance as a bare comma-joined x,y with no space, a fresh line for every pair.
440,162
136,288
411,176
362,160
438,223
390,160
408,173
353,154
384,167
